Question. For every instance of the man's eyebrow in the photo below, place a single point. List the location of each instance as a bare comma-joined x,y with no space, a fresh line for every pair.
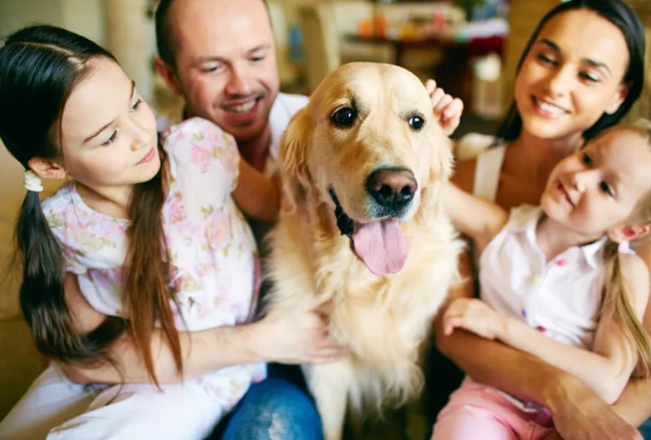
133,89
209,58
260,47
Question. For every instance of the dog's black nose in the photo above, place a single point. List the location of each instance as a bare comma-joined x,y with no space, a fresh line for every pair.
392,188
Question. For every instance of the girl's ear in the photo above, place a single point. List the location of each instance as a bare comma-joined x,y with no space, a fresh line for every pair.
628,232
47,169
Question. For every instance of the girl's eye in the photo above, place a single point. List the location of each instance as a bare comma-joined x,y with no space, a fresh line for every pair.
111,139
136,105
606,189
586,159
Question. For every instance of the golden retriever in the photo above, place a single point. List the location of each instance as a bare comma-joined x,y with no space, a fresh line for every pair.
361,225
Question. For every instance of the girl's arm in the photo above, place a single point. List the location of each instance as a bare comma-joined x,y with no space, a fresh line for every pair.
256,195
478,219
606,370
298,336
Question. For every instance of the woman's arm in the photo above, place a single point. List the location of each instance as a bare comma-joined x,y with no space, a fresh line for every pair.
299,336
256,195
606,369
578,412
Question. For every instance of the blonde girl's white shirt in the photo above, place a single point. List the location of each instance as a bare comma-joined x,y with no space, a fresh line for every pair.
560,298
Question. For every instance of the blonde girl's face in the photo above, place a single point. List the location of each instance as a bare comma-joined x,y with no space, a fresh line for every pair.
572,75
108,133
598,188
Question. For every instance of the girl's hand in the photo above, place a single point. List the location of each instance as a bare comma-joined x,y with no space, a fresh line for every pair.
447,110
472,315
298,336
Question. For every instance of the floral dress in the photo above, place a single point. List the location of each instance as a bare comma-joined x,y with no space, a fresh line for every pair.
213,257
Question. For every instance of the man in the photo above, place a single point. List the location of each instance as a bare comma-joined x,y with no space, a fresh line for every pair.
219,55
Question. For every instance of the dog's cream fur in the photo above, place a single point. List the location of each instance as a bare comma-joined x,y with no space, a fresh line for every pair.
382,319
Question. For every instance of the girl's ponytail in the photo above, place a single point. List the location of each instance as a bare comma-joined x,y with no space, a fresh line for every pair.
618,308
42,297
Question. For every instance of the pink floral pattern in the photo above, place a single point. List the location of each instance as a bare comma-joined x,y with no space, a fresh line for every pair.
213,257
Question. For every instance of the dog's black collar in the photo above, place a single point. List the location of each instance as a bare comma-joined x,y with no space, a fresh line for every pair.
345,224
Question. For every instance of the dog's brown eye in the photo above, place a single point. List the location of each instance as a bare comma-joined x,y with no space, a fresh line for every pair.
416,122
344,117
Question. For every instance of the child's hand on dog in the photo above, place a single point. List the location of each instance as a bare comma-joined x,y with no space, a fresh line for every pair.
300,336
447,109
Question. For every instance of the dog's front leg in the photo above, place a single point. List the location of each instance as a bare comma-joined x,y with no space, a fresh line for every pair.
329,384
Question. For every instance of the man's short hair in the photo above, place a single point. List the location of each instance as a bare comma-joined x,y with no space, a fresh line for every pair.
166,43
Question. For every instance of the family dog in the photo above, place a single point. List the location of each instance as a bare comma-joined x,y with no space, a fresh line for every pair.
361,227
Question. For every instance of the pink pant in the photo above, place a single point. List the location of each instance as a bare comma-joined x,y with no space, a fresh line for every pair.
479,412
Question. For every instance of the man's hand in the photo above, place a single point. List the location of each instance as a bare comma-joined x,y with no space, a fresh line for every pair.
447,110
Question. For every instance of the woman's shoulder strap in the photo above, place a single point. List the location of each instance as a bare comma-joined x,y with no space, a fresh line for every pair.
487,172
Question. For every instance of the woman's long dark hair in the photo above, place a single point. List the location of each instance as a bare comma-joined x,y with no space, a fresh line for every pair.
622,15
39,68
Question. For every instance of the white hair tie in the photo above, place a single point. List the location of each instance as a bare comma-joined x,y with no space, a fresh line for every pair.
33,182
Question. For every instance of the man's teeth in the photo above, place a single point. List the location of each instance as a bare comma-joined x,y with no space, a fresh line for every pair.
242,108
550,108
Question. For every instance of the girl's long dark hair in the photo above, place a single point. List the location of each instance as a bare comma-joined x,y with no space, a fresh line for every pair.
39,68
622,15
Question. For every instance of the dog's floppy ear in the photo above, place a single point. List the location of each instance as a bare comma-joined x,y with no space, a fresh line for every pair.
440,168
294,145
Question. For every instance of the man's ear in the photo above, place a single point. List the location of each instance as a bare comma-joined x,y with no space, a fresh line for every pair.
47,169
628,232
169,75
618,99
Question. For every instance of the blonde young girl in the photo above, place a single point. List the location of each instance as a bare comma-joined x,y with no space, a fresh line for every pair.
559,282
140,271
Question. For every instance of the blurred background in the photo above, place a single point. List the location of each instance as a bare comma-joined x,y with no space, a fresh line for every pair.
471,47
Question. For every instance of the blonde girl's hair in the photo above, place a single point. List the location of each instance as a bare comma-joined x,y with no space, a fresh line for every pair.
616,303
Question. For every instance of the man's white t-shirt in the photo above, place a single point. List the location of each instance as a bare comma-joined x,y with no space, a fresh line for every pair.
283,109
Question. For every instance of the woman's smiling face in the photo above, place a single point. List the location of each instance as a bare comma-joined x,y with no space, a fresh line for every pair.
572,75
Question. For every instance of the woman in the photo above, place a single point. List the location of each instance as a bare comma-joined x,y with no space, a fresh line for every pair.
580,73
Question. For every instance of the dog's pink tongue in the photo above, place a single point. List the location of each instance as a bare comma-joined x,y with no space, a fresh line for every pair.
381,246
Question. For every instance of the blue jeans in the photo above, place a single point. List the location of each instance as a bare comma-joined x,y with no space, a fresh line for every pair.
274,409
645,430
